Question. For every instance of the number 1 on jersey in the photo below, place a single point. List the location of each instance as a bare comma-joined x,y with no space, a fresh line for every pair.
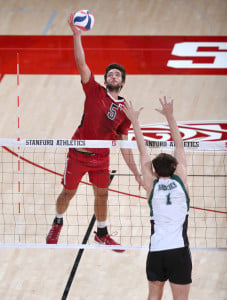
168,202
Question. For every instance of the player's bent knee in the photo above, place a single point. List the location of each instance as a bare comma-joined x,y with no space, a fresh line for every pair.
68,194
100,192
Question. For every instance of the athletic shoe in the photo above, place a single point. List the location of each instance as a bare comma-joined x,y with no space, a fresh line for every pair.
53,235
107,240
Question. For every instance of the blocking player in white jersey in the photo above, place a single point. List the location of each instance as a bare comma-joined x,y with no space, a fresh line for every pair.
165,180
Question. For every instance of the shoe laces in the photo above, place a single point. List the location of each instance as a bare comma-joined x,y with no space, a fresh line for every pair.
108,237
53,229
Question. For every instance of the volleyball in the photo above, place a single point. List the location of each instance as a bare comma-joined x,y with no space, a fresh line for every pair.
84,20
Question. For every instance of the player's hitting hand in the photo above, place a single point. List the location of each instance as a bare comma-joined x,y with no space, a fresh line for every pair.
75,30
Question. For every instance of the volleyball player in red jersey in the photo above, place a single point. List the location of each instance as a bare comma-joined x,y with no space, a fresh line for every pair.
103,119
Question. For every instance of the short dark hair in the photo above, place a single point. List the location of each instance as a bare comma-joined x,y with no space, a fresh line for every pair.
118,67
164,164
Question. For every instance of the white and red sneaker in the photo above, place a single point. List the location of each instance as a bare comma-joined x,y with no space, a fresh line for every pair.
107,240
53,235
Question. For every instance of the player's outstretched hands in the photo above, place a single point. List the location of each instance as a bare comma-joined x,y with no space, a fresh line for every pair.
130,112
167,107
75,30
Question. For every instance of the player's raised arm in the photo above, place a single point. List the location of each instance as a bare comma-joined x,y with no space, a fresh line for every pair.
130,161
145,160
83,68
179,152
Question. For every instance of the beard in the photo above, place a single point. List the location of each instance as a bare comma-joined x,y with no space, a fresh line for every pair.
113,88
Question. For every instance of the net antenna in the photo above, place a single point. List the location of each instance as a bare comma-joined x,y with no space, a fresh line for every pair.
81,250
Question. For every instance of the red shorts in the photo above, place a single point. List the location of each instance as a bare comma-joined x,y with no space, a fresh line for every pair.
78,164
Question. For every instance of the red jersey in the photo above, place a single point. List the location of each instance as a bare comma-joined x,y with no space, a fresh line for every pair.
103,118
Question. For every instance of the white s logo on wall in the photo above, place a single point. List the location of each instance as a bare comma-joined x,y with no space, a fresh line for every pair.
191,49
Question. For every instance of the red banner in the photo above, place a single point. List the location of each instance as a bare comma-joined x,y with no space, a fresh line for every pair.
186,55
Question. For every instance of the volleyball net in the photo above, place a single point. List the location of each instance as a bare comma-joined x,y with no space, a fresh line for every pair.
30,178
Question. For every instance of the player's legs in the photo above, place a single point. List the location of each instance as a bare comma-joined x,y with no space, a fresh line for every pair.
155,290
61,206
156,274
100,208
74,171
180,291
63,200
100,180
100,205
180,269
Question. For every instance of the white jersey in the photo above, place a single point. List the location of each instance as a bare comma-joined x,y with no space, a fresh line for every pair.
169,205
